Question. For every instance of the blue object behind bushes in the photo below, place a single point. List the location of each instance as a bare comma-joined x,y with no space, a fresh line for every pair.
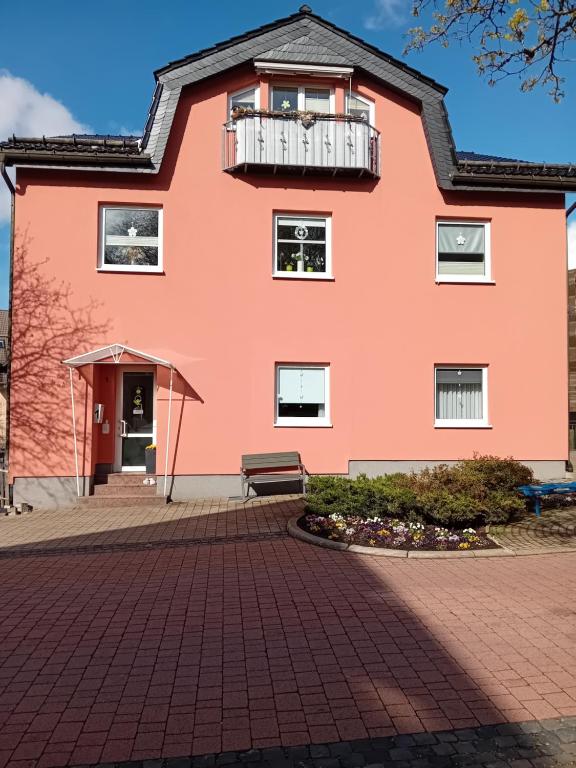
535,492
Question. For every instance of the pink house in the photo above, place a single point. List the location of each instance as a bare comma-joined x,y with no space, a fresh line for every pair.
293,256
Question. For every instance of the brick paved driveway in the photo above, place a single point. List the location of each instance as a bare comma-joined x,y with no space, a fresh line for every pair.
193,649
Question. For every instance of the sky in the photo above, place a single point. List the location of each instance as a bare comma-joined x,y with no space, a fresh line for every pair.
84,67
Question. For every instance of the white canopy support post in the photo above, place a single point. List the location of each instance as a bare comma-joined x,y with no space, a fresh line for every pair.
168,434
74,431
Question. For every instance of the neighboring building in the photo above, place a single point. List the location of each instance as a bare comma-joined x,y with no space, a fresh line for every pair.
3,377
572,361
297,246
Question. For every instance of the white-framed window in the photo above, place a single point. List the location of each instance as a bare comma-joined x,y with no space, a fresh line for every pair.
130,239
360,106
461,396
463,252
292,98
302,395
247,98
302,246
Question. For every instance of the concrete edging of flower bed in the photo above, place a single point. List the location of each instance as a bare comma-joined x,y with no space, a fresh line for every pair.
299,533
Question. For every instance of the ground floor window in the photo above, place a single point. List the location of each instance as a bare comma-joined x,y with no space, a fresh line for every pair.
302,395
461,396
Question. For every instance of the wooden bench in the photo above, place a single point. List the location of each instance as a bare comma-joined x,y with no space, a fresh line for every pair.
271,468
537,491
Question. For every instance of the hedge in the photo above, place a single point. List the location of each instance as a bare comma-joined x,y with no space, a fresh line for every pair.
472,492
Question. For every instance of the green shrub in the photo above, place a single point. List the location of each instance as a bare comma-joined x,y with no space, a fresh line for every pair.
495,474
503,506
470,493
445,508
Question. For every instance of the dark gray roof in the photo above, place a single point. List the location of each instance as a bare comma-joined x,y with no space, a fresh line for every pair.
92,144
476,156
305,38
304,50
75,148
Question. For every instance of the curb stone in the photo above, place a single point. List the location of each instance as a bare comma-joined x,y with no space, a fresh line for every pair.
298,533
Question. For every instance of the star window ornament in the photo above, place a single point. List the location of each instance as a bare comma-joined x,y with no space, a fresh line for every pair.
301,232
285,104
461,240
132,231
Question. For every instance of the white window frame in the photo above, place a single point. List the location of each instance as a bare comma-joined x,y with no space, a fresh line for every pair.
255,88
487,276
482,423
103,267
294,421
302,95
327,275
369,103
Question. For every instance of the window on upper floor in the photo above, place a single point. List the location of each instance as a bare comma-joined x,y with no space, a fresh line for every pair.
302,246
461,396
287,98
248,98
359,106
463,252
302,395
2,344
130,239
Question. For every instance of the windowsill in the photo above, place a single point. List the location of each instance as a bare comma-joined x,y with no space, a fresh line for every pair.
302,276
465,425
131,271
456,279
298,423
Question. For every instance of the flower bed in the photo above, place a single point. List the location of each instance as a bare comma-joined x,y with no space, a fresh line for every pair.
392,533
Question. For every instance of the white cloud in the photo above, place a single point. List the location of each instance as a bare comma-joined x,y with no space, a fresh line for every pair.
388,13
572,244
27,112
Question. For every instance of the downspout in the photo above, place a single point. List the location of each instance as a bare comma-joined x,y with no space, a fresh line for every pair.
570,210
10,186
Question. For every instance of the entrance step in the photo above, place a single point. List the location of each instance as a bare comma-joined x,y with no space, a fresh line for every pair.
123,489
123,501
121,478
115,489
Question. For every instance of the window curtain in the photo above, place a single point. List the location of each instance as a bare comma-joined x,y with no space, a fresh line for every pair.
459,394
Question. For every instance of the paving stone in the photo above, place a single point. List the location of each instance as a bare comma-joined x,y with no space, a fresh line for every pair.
319,750
204,761
224,758
339,749
353,760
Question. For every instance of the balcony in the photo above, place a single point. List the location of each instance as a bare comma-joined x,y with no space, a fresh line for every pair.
301,143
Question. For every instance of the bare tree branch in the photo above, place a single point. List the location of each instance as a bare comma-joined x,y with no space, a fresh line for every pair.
523,38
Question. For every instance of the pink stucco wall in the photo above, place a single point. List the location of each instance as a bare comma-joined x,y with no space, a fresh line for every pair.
381,324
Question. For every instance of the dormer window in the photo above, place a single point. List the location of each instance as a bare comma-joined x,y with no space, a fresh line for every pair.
248,98
288,98
359,106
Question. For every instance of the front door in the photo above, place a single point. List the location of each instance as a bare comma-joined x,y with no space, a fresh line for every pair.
137,419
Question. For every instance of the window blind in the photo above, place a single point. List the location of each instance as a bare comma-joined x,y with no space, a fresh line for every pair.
461,249
301,385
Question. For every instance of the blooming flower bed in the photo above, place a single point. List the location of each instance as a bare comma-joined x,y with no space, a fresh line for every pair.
394,534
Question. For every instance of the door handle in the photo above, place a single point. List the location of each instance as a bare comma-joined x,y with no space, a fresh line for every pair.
122,428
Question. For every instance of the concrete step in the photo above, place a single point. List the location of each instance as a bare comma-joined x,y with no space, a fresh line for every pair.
123,501
120,478
125,490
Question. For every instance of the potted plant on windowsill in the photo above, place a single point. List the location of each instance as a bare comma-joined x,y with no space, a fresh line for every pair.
150,454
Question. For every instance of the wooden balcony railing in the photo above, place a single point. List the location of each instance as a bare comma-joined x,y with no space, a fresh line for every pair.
301,142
